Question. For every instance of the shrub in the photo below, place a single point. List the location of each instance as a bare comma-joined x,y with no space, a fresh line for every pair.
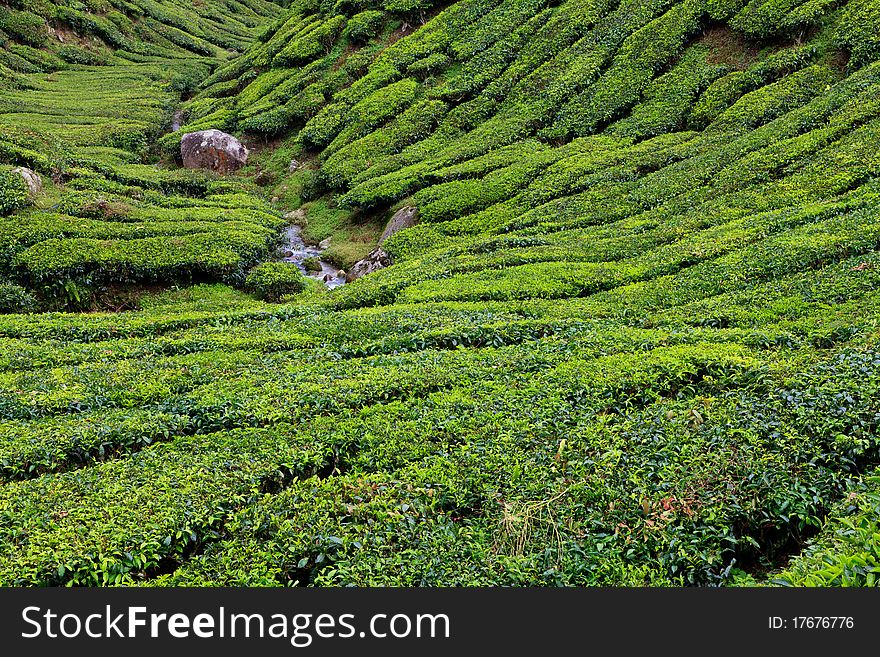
126,136
847,551
429,65
42,59
15,299
273,280
311,44
858,30
312,264
24,26
725,91
364,26
77,55
407,6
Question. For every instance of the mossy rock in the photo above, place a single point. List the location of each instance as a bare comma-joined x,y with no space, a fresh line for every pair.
312,264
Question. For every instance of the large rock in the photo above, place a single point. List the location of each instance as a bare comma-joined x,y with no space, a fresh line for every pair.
376,260
212,150
406,217
31,179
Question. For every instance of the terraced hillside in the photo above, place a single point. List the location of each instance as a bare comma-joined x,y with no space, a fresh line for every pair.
109,216
632,339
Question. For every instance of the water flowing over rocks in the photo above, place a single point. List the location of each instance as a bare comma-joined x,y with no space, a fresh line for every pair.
295,250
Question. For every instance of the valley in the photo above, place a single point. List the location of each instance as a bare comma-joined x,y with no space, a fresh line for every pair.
624,331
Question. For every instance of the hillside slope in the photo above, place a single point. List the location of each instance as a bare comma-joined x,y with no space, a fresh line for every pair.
632,339
108,215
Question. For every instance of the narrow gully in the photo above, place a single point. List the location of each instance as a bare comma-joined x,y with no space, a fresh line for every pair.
296,251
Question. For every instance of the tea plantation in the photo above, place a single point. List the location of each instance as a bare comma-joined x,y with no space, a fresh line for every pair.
633,339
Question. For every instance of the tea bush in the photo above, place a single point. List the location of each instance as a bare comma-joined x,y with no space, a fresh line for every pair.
13,191
16,299
273,280
362,27
857,31
847,551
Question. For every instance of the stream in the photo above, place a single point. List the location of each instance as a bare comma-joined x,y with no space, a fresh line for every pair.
295,250
293,247
176,120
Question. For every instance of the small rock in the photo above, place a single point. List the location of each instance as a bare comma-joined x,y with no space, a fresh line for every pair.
275,199
324,244
31,179
294,165
326,278
213,150
288,254
341,274
376,260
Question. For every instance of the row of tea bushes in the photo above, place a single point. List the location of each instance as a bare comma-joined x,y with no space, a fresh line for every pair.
847,550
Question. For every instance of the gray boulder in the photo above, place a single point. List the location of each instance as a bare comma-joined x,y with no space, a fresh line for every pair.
406,217
31,179
212,150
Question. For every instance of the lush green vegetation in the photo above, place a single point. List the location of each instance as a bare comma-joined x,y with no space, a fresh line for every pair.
13,191
273,280
48,35
632,340
847,551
